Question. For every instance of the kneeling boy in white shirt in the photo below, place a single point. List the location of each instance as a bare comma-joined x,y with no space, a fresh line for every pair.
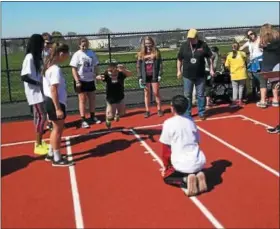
182,156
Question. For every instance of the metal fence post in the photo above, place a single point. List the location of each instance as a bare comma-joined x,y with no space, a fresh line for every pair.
7,71
109,46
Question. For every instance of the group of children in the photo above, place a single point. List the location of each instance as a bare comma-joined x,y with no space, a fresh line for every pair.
46,92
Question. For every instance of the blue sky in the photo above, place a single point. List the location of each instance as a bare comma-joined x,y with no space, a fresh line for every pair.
24,18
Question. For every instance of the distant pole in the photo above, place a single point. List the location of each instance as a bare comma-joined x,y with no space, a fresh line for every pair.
109,46
7,71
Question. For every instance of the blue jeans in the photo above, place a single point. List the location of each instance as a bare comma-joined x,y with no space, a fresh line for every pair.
200,93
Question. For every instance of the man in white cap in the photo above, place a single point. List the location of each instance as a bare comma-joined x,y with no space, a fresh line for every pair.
192,56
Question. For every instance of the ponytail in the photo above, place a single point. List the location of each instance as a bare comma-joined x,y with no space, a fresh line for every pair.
56,49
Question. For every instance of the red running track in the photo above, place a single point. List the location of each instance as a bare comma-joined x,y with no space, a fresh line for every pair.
245,195
123,187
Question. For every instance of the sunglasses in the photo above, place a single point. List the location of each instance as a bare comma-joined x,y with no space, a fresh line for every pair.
48,42
250,34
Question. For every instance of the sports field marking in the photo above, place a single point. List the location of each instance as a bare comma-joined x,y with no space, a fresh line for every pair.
254,160
110,131
74,188
244,117
201,207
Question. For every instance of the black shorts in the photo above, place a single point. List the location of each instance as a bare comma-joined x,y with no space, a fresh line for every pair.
50,109
85,87
149,79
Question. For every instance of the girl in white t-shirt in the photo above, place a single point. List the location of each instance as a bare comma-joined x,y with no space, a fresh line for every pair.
56,100
84,69
256,52
31,76
46,52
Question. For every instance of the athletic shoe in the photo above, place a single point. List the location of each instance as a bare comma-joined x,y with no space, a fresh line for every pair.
48,158
202,185
191,185
202,117
42,149
261,105
84,125
147,114
275,130
160,113
62,162
96,120
117,118
275,104
234,104
108,123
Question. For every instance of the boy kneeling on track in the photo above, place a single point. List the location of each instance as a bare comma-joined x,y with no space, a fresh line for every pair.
114,77
182,156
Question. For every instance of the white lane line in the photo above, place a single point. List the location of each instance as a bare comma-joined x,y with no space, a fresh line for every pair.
74,187
244,117
195,200
110,131
257,162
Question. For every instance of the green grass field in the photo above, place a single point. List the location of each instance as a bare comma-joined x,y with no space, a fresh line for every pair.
17,90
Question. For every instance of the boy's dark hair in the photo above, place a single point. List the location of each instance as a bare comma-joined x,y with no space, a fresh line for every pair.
180,104
215,49
112,65
47,37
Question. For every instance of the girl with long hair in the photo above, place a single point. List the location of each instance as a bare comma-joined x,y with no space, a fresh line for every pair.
149,71
270,42
56,100
84,65
32,78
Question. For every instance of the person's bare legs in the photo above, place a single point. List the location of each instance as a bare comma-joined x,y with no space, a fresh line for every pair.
147,93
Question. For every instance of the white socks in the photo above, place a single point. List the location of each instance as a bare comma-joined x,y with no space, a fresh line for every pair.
50,153
54,153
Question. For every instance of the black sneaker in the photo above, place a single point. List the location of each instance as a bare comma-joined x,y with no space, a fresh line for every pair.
147,114
160,113
63,162
202,117
49,158
275,130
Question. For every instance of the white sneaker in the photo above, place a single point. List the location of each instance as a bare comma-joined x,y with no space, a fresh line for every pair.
84,125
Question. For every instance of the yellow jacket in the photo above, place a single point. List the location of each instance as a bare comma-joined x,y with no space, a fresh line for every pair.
237,65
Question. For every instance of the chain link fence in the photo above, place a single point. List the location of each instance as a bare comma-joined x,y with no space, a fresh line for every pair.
113,47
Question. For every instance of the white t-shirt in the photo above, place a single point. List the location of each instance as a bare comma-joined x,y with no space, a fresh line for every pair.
33,93
53,76
180,132
45,54
254,48
85,62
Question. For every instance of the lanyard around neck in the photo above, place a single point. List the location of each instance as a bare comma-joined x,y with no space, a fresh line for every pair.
193,49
